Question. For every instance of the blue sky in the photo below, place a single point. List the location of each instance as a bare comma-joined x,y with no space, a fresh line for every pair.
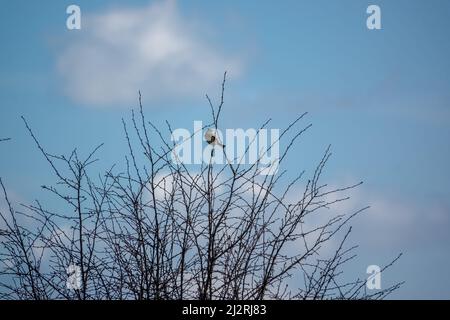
381,98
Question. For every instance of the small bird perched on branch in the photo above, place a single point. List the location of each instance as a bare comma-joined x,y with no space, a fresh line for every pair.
212,138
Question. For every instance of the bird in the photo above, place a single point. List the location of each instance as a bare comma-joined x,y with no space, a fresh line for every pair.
211,138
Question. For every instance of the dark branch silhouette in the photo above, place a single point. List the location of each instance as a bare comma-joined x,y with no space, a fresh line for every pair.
160,230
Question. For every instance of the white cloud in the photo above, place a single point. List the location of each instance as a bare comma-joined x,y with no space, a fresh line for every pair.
394,221
151,48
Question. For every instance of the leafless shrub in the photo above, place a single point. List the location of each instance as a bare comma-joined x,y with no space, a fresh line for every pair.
164,231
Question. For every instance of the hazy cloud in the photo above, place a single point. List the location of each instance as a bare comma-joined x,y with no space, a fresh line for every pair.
394,221
151,48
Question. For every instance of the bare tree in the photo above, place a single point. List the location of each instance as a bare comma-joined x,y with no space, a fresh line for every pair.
160,230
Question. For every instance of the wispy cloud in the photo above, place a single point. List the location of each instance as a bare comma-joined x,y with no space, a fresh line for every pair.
393,221
152,48
396,221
